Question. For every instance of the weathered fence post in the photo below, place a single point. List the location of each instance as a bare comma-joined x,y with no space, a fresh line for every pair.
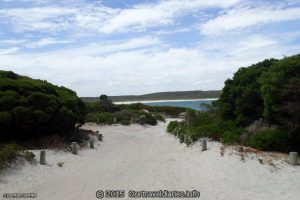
177,131
43,157
74,148
115,120
294,158
100,137
204,145
92,143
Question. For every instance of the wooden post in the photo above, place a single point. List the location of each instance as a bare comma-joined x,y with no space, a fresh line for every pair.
43,157
74,148
92,144
294,158
204,145
177,131
100,137
115,120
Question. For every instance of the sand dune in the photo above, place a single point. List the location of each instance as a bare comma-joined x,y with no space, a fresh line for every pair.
147,158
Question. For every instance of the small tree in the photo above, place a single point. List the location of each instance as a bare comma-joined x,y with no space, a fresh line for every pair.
106,103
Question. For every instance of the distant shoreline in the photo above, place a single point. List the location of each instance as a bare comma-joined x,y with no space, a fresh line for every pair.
154,101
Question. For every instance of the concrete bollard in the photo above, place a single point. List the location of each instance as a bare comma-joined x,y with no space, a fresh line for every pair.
74,148
43,157
204,145
92,144
294,158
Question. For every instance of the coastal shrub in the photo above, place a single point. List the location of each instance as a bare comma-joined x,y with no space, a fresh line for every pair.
28,156
241,99
148,118
280,89
166,110
232,137
171,126
93,107
258,107
32,108
100,118
269,139
9,153
106,103
159,117
123,115
125,122
104,118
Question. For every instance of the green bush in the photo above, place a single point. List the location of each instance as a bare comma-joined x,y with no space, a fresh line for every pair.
172,125
166,110
9,154
105,118
269,139
159,117
123,115
124,122
148,119
31,108
232,137
100,118
241,99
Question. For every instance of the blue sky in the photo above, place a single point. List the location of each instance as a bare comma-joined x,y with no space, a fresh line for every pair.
121,47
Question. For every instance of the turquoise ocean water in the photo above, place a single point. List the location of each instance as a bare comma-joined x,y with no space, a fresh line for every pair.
186,104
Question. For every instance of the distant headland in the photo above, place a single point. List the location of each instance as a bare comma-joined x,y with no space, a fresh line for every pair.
177,95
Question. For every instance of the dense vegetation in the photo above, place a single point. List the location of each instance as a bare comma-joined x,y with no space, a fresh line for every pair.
162,96
259,107
32,108
12,153
104,112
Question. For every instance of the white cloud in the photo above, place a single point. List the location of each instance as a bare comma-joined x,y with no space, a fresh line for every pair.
123,68
256,41
38,18
8,51
96,17
148,15
240,18
45,42
13,42
109,47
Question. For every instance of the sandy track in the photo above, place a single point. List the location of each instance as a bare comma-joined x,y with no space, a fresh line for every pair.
147,158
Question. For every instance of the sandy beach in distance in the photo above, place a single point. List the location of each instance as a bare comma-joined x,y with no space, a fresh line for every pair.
147,158
176,100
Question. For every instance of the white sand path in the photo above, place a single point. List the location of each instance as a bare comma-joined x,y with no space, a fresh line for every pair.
147,158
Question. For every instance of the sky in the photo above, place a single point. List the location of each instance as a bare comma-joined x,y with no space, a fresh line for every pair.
119,47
